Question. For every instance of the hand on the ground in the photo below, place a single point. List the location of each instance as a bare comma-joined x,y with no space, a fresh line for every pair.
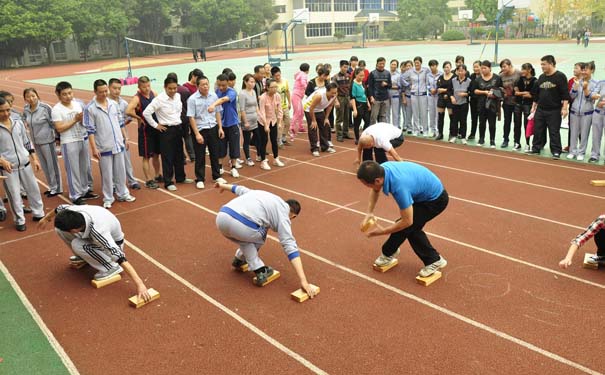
310,289
565,263
142,293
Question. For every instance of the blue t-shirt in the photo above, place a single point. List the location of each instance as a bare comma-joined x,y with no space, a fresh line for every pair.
229,117
409,183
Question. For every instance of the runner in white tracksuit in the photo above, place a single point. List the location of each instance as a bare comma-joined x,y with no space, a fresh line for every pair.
417,80
598,122
246,219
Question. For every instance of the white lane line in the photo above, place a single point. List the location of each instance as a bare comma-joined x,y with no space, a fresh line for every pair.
415,298
338,208
69,365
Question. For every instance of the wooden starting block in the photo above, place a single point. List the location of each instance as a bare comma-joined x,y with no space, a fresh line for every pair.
271,278
102,283
591,266
78,264
137,303
242,268
3,177
300,295
597,182
426,281
367,225
385,268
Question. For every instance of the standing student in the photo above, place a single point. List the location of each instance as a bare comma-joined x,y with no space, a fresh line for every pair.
67,116
523,93
283,89
106,136
488,87
184,93
406,99
167,107
444,101
433,95
37,115
474,100
581,111
317,107
417,79
379,83
598,122
301,79
248,112
551,103
270,116
115,89
227,98
17,158
319,82
459,61
366,72
459,91
148,136
191,84
342,79
207,130
395,93
259,78
509,76
359,103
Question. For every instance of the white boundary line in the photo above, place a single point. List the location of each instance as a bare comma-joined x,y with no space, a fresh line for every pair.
69,365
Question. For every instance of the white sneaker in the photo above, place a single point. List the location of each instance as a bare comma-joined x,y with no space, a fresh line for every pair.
330,150
278,162
220,180
258,158
240,161
571,156
464,141
315,153
199,185
103,275
452,140
580,157
171,187
427,271
384,260
234,173
432,135
238,165
527,148
265,165
129,198
250,163
107,205
330,144
221,171
207,152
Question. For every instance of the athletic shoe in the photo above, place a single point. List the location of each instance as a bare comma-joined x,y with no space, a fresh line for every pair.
339,139
37,218
439,137
75,258
104,275
240,161
51,194
278,162
2,215
151,184
566,149
159,178
517,147
107,205
221,171
481,142
580,158
280,146
527,148
571,156
237,263
593,160
330,150
79,202
135,186
186,181
596,259
234,173
384,260
464,142
238,165
504,144
199,185
492,145
470,138
427,271
20,227
90,195
452,140
265,165
258,158
315,153
129,198
433,135
262,276
171,187
556,156
27,210
249,162
220,180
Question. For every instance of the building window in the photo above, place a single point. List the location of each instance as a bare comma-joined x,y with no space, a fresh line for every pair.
319,5
390,5
346,28
318,29
279,9
370,4
345,5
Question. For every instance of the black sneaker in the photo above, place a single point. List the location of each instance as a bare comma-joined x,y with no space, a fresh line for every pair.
27,210
504,144
50,195
470,138
90,195
135,186
533,152
238,263
2,215
556,156
80,201
151,184
439,137
158,178
262,275
593,160
517,147
20,227
409,132
37,218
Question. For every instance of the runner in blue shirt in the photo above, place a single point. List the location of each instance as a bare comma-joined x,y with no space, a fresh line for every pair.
420,197
227,98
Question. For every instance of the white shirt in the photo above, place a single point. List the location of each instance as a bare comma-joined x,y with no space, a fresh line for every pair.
383,132
166,109
63,114
323,103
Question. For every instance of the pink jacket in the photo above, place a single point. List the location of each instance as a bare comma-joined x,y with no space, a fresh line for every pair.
300,83
270,111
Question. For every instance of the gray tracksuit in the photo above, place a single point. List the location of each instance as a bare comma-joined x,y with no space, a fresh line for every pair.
395,96
433,99
580,120
418,83
43,136
598,122
125,119
15,147
246,219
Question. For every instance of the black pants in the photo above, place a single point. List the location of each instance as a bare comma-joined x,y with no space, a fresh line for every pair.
599,240
171,148
485,115
423,213
321,134
362,114
230,141
508,110
253,137
458,123
521,111
187,138
474,117
547,120
265,137
212,141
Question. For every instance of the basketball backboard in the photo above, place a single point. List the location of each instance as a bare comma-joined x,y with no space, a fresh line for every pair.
373,17
300,15
518,4
465,14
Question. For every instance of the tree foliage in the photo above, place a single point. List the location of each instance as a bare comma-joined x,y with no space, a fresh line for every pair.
419,19
489,8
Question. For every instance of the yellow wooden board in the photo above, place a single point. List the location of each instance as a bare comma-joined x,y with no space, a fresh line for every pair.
426,281
138,303
385,268
242,268
300,295
271,278
597,182
102,283
367,225
592,266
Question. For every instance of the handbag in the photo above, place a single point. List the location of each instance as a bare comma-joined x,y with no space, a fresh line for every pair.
529,129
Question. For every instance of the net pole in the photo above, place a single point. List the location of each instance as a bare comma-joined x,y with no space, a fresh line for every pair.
129,73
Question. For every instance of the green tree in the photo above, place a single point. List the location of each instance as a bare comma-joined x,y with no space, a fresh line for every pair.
489,8
419,18
152,18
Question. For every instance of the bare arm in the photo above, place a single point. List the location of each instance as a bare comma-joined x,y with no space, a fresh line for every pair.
141,288
406,220
298,267
132,107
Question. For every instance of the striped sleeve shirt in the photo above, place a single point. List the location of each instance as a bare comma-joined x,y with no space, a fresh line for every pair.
590,232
